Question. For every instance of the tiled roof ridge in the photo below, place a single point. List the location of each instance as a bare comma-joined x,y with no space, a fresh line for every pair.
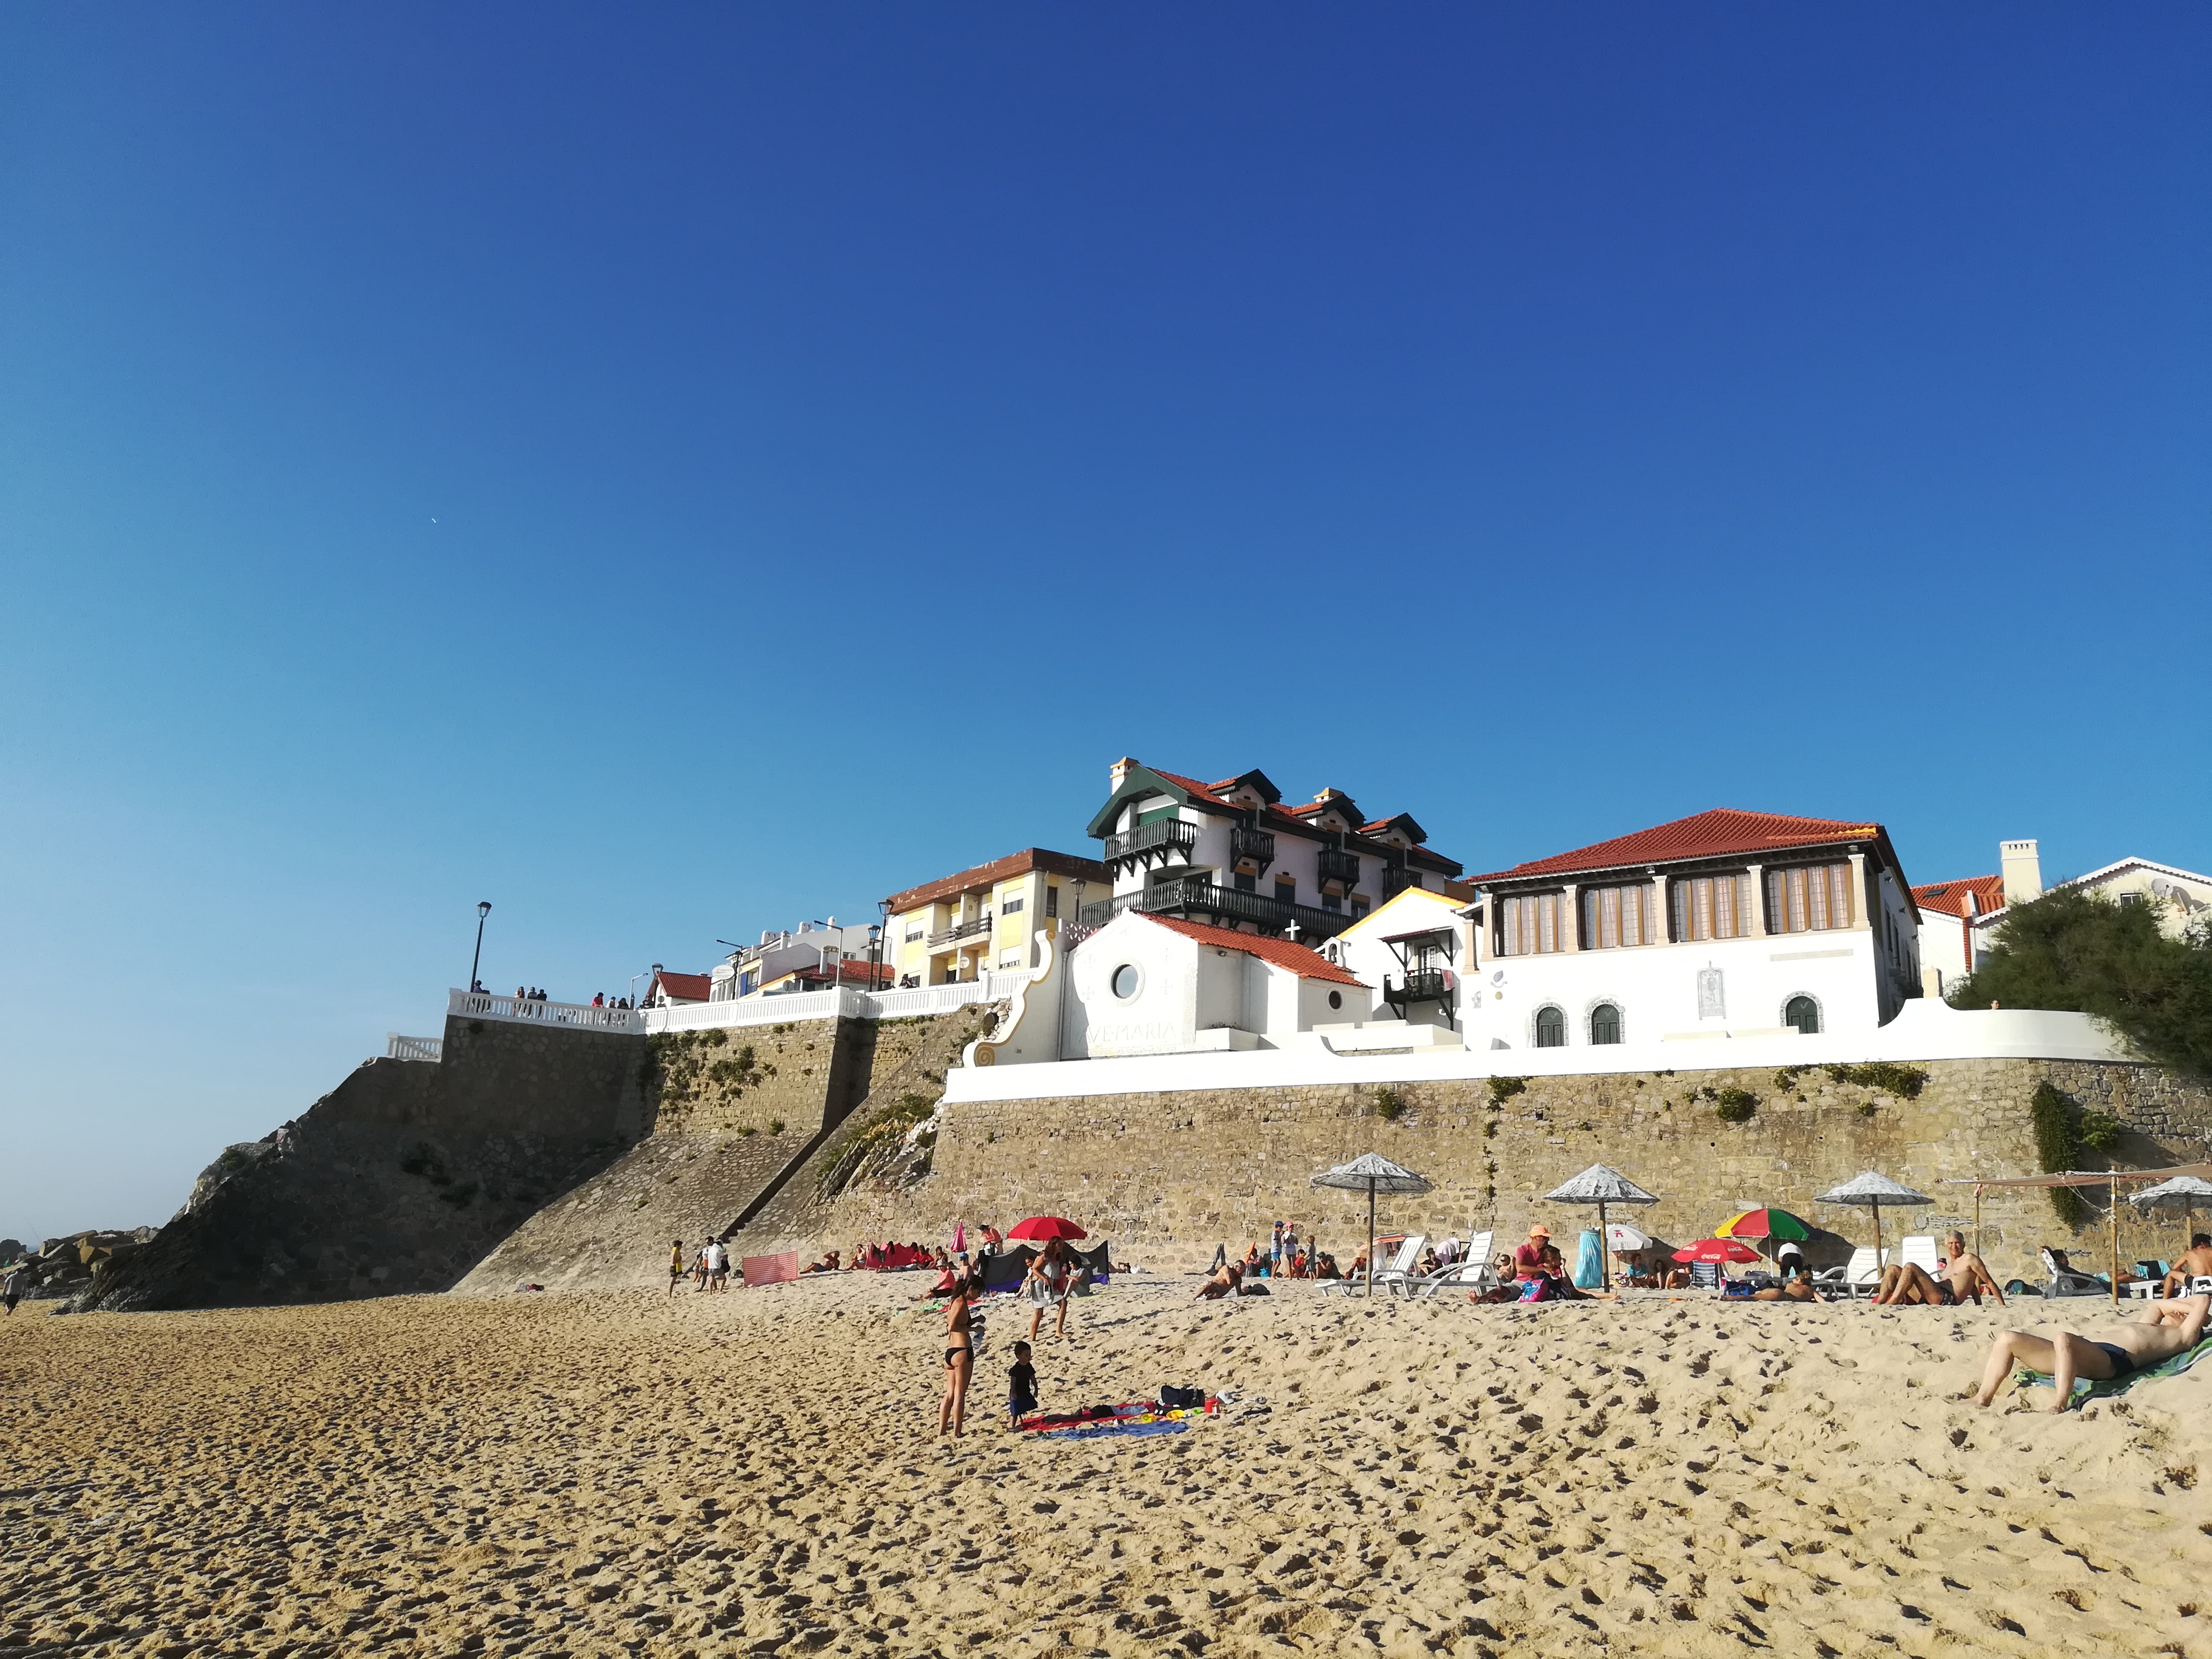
1302,960
1944,896
1717,832
982,875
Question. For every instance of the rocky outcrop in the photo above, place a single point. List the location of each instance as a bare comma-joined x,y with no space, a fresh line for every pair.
398,1180
72,1264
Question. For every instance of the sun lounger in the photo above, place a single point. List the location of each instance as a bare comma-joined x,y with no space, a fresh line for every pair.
1920,1250
1399,1267
2067,1281
1464,1275
1861,1277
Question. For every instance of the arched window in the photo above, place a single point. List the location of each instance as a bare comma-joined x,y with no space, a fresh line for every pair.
1804,1013
1605,1024
1551,1029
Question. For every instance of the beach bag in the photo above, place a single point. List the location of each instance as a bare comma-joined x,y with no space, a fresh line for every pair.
1175,1400
1532,1290
1589,1267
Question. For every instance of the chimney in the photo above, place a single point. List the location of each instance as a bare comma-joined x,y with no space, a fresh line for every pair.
1121,769
1968,906
2023,870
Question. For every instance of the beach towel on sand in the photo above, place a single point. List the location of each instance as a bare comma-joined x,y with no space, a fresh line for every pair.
1131,1417
2085,1390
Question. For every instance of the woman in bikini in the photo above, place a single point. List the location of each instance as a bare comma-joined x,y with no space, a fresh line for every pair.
960,1332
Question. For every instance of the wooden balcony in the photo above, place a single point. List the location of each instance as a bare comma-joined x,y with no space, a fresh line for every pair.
1338,865
1201,900
1164,840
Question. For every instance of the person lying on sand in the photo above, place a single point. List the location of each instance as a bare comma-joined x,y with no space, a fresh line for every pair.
827,1264
1961,1276
2196,1259
2162,1330
1797,1285
1224,1282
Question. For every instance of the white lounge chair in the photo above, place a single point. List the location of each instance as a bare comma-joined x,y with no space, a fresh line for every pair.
1862,1277
1400,1266
1463,1275
2070,1281
1920,1250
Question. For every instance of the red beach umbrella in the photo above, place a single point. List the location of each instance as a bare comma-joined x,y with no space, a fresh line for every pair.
1038,1228
1717,1249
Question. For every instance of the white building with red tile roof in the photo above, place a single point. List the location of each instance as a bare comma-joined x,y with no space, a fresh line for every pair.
1724,924
1229,854
1146,984
1962,919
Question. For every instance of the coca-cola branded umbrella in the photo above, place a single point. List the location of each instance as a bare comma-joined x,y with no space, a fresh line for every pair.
1717,1249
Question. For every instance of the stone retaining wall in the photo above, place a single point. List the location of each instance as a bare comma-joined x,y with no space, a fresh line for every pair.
1168,1176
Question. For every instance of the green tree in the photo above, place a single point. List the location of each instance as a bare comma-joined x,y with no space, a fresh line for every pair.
2076,951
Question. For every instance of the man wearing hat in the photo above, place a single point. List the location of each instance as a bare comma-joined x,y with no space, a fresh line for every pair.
1528,1258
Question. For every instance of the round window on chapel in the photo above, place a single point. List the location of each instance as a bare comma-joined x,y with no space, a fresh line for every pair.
1336,999
1125,981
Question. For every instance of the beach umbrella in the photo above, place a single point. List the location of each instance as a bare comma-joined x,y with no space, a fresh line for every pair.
1717,1249
1764,1224
1601,1186
1620,1235
1042,1227
2183,1192
1872,1190
959,1238
1376,1174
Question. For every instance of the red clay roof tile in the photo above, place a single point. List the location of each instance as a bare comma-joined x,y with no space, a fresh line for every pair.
1948,897
1305,963
1721,833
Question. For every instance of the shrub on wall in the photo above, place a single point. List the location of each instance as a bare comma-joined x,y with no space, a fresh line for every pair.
2058,1149
1503,1089
1389,1105
1736,1105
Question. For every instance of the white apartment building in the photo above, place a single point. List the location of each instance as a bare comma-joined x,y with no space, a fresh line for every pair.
1231,855
816,955
1726,924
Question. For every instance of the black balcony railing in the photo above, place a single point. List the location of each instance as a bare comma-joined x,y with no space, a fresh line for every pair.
1196,897
1397,878
1338,865
1426,985
1162,841
1257,845
959,931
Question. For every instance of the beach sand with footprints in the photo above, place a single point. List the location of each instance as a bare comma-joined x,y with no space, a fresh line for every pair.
756,1474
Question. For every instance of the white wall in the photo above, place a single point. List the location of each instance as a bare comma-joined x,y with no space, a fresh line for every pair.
1656,987
1924,1031
1160,1018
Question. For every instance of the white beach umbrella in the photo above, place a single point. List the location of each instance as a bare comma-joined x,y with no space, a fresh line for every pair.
1601,1186
2187,1193
1871,1190
1376,1174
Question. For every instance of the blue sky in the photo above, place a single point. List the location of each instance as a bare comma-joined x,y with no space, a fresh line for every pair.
677,471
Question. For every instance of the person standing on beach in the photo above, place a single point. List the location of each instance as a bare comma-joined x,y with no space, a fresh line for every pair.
675,1266
718,1265
1047,1283
11,1288
959,1355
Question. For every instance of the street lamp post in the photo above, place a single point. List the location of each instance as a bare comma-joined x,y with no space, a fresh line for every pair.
476,962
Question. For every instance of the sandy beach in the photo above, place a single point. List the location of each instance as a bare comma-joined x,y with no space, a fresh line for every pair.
757,1473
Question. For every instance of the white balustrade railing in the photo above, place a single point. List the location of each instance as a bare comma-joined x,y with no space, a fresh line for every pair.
396,1047
479,1004
842,1002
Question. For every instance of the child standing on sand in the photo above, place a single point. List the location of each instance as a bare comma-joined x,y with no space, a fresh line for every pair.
675,1266
1021,1386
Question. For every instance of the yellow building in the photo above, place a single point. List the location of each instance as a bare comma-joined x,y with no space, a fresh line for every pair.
952,930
